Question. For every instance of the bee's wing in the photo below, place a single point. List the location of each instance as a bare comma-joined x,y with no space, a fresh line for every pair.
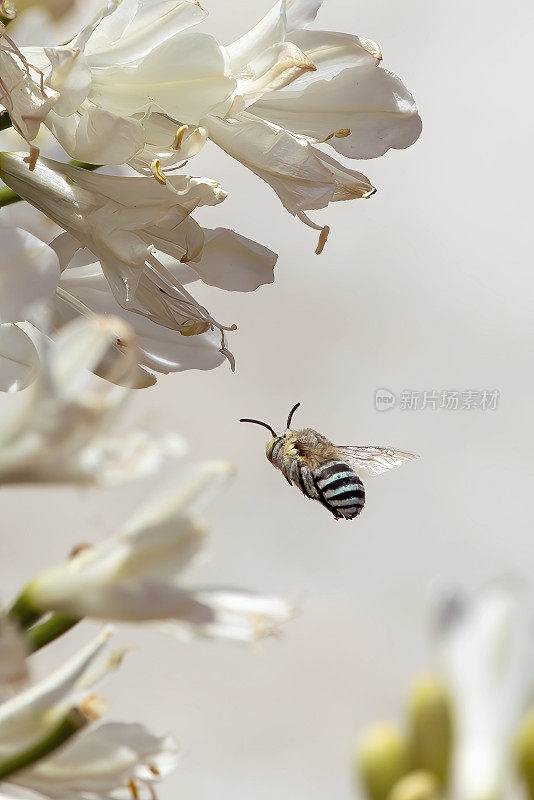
373,460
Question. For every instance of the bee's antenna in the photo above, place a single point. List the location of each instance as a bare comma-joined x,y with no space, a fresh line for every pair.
291,414
259,422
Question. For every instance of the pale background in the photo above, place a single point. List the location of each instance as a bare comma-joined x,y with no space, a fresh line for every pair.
427,285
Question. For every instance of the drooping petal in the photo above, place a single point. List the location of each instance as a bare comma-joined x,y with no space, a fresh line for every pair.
29,273
22,96
271,71
301,13
302,176
233,262
348,92
19,361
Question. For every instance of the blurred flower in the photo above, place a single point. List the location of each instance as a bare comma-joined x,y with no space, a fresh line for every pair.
381,759
29,274
19,360
122,220
59,431
462,727
98,760
133,576
486,654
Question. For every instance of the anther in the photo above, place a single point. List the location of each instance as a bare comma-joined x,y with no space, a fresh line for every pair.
195,328
133,788
341,133
177,143
79,548
154,770
31,160
323,236
155,169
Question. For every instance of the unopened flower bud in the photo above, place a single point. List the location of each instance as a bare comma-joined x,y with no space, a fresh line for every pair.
430,727
525,753
381,760
419,785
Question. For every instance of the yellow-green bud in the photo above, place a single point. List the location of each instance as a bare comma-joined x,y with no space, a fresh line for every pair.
430,727
525,753
418,785
381,760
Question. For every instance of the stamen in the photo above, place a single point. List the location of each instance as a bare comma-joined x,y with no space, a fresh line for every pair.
177,143
155,169
154,770
93,707
341,133
133,788
323,229
323,236
195,329
31,160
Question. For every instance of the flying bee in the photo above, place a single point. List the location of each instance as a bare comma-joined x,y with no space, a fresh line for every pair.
327,472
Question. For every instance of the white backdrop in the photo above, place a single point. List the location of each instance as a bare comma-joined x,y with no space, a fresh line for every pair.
426,286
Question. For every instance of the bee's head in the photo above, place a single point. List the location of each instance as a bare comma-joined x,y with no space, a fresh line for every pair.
274,435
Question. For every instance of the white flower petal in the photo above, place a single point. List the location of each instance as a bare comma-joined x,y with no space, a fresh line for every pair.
232,262
369,101
135,28
70,76
198,81
25,717
29,273
269,31
19,361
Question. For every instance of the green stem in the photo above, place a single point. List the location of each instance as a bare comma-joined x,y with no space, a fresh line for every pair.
5,121
69,725
23,612
45,632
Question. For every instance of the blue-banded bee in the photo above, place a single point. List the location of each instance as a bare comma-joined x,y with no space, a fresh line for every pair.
327,472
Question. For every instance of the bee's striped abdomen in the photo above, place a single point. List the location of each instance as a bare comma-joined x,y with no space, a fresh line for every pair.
339,489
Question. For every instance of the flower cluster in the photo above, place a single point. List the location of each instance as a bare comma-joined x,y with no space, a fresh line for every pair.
96,300
141,85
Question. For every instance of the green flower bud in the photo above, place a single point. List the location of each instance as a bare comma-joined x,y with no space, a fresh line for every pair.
381,760
419,785
430,727
525,753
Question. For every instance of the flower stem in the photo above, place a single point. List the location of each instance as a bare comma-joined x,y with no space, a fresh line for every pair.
45,632
23,612
7,196
69,725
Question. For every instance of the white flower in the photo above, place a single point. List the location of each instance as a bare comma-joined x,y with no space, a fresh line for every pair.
486,652
228,261
22,91
102,761
59,431
133,576
99,760
296,88
130,61
123,220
